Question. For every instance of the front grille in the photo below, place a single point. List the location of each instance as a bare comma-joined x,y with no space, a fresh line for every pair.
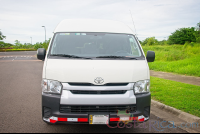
96,109
98,92
90,84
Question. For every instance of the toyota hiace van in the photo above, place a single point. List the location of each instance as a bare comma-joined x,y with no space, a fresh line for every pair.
94,69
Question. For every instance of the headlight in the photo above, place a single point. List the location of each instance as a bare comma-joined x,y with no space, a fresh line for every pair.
142,87
50,86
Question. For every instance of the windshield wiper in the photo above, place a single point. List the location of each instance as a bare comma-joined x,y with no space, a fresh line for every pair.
69,56
132,58
116,57
111,56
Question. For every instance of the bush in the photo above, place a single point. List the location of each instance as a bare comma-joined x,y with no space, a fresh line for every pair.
163,42
182,35
38,45
150,41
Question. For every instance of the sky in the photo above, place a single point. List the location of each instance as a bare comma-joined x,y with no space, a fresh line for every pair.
23,19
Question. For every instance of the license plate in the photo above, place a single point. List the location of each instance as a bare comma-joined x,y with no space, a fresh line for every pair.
99,119
124,118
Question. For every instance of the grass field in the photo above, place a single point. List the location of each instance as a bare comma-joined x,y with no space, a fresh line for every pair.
180,59
179,95
10,50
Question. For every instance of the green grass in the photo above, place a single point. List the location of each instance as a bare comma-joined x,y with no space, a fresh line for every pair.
190,66
184,97
180,59
10,50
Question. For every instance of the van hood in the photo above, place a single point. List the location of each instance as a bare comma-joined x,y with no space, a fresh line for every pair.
86,71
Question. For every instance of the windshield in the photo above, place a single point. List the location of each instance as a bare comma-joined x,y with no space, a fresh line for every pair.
95,45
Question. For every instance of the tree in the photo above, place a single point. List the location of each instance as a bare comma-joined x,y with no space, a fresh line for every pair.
2,36
2,44
182,35
38,45
150,41
197,33
18,45
198,26
140,41
163,42
5,45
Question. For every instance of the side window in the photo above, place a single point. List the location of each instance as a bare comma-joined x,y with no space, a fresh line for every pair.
53,48
134,47
133,43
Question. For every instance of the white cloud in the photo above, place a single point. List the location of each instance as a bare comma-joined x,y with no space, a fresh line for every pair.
23,19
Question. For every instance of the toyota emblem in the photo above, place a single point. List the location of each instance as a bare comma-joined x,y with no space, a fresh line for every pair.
98,80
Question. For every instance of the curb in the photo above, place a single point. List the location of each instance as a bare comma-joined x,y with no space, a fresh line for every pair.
180,114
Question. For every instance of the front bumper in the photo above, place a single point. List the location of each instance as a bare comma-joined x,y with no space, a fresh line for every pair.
51,111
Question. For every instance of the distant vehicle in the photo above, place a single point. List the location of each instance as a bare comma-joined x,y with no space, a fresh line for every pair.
92,69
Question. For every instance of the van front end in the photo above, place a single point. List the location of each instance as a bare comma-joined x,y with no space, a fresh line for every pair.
80,103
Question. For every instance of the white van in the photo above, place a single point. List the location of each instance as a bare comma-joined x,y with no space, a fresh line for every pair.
94,69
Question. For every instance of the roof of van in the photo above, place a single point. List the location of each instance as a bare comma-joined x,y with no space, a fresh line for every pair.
92,25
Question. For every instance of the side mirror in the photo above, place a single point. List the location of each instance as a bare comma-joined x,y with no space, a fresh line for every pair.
41,53
150,56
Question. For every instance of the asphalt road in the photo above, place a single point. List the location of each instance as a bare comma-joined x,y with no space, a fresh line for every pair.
20,101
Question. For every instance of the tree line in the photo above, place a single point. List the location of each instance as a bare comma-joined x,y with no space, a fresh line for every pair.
180,36
18,45
35,46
